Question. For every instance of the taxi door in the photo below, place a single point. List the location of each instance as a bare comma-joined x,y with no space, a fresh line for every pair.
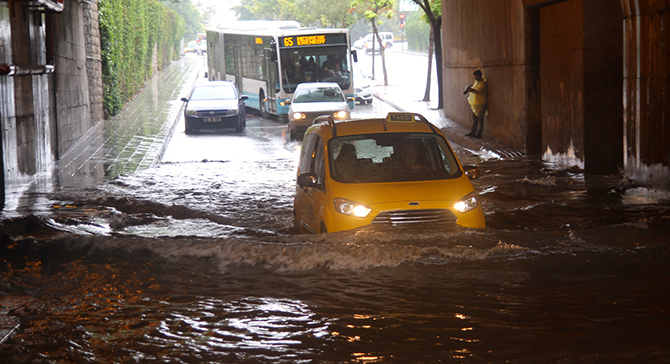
309,200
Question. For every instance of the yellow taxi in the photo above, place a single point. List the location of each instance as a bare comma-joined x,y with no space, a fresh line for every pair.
386,172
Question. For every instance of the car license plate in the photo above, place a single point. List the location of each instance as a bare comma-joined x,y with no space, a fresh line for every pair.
212,120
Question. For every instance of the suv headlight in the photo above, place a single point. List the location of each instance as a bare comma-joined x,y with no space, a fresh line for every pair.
467,203
233,111
298,116
342,114
191,112
351,208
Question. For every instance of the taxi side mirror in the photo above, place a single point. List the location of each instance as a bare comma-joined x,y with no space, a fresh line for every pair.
307,180
184,99
471,171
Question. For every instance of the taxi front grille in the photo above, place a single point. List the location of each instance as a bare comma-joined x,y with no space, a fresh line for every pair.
405,217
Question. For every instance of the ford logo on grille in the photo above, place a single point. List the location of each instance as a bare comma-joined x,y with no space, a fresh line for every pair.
413,204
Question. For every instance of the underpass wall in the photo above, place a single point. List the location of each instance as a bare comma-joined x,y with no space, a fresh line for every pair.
554,72
491,36
71,82
647,92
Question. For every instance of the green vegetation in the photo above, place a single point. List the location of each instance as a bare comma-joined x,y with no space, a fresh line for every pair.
317,13
132,34
193,21
417,32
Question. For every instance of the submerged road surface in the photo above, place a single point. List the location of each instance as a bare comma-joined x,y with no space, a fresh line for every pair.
196,260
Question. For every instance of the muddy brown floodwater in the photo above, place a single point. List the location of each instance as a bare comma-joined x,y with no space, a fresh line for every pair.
196,261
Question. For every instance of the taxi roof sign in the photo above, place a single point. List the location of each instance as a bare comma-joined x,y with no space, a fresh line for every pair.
400,117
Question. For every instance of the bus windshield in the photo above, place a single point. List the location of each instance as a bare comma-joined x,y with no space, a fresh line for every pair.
315,64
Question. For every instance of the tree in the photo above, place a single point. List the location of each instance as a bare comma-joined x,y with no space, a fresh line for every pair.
317,13
371,10
433,11
194,24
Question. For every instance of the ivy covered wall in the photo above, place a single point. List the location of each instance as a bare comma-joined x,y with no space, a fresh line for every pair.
132,32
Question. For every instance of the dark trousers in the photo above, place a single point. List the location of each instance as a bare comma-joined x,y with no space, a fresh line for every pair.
478,123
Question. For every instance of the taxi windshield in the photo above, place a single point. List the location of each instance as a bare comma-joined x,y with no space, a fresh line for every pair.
391,157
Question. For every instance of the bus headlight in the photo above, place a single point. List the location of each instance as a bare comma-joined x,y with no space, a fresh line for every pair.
341,114
351,208
467,203
298,116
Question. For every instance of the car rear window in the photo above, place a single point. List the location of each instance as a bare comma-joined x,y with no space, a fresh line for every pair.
320,94
220,92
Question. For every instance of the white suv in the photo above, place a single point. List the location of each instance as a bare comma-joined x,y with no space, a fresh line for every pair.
387,41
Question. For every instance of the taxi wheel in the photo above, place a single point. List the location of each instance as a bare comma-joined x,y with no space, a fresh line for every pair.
323,229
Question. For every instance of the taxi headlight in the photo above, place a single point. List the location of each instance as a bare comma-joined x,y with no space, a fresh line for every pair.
341,114
298,116
467,203
233,111
351,208
191,112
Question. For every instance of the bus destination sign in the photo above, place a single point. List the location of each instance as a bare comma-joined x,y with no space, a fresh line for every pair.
312,40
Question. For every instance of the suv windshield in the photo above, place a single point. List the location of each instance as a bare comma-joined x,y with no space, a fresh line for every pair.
391,157
318,94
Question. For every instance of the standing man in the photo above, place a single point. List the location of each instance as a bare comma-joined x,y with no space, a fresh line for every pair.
477,100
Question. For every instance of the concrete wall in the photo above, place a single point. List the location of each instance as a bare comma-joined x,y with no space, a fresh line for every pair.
43,115
647,91
491,36
554,71
73,111
24,114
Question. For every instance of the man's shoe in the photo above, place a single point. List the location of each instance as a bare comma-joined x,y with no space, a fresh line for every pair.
470,134
478,136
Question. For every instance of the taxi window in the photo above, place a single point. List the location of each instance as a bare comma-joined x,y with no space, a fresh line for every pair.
306,153
391,157
311,157
319,165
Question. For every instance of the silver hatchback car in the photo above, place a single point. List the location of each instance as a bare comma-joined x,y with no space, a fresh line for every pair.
313,99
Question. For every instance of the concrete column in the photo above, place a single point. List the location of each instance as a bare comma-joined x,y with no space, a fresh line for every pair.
646,100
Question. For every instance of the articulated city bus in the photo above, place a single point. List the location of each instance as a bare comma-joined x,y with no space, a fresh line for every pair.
268,59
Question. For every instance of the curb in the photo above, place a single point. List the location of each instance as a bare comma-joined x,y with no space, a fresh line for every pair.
172,118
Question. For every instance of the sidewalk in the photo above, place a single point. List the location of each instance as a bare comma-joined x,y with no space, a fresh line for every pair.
135,138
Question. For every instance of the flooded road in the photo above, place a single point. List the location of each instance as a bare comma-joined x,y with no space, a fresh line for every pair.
196,261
